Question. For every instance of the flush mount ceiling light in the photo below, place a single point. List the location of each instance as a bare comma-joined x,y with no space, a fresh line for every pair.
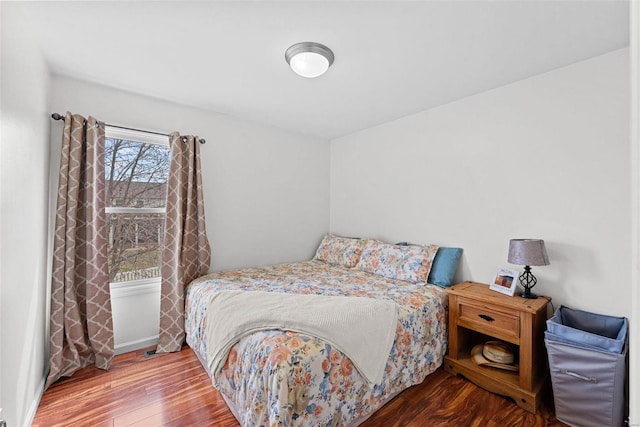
309,59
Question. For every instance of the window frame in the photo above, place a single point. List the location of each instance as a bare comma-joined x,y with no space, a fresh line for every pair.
112,132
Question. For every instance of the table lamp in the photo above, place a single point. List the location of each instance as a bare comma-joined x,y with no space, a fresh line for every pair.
527,252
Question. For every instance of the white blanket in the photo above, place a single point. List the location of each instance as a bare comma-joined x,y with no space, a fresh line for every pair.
362,328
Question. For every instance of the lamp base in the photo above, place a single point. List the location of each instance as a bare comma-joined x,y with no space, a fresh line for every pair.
528,281
528,295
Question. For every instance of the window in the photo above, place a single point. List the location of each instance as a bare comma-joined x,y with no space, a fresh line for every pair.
136,171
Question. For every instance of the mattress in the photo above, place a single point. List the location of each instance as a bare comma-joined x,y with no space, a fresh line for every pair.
286,378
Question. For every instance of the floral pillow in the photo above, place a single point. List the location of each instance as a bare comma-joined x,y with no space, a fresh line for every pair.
343,251
410,263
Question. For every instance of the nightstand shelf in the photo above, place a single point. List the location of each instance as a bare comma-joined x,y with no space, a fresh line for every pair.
478,314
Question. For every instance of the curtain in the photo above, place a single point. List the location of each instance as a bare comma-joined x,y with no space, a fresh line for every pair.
81,329
186,254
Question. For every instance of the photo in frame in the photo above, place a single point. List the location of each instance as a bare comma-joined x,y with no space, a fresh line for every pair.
505,281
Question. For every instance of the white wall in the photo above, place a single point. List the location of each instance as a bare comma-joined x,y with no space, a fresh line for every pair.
634,333
546,157
24,163
266,191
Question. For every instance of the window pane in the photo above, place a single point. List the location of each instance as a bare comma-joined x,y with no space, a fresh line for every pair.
136,177
136,174
134,246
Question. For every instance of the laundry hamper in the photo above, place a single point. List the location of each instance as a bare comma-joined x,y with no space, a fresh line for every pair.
587,359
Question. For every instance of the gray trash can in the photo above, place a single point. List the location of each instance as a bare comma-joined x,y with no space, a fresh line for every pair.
587,359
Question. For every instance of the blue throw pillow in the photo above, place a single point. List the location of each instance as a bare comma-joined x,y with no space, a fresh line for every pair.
444,266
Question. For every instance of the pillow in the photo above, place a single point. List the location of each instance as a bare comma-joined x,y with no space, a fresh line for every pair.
343,251
409,263
444,266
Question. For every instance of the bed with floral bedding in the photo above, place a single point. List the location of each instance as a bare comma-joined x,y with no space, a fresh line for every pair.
282,377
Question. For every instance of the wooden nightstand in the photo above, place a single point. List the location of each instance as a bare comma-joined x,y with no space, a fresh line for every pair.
478,314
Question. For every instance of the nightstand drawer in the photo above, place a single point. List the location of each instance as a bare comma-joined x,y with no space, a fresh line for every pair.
503,324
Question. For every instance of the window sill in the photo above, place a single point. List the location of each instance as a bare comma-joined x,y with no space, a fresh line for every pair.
135,287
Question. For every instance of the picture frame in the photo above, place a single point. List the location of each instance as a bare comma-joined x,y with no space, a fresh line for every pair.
505,281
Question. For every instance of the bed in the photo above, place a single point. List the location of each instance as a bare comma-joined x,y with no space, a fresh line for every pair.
288,377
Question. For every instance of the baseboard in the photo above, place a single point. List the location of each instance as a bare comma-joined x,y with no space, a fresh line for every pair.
33,408
136,345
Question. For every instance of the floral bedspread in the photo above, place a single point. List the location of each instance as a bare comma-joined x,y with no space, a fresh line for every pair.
284,378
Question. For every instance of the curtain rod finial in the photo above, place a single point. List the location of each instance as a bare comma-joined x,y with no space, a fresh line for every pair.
56,116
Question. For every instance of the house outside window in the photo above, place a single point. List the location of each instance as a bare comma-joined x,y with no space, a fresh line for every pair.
136,172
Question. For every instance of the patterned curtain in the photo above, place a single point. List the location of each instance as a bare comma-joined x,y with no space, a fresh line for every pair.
186,254
81,326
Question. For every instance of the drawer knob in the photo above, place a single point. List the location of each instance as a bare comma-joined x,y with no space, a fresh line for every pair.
485,317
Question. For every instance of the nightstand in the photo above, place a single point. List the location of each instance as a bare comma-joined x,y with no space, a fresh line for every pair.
478,314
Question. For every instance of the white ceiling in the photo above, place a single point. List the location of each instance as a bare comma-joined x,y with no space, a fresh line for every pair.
392,58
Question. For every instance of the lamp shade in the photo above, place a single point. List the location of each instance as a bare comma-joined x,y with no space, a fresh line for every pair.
309,59
527,252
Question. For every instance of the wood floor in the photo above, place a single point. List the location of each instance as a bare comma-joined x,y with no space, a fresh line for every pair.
174,390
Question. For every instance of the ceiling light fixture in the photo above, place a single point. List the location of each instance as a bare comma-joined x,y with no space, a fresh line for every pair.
309,59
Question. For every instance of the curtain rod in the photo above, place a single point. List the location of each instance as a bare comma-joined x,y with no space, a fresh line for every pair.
56,116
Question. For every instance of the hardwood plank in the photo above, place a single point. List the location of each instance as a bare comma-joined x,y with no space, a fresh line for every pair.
139,415
174,390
